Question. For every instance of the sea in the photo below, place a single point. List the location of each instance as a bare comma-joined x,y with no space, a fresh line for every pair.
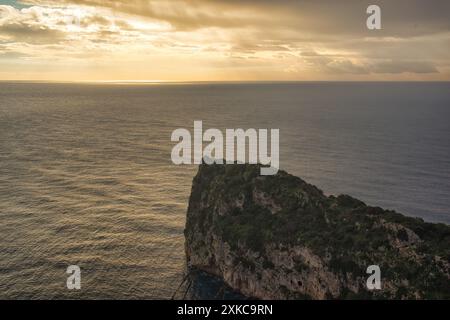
86,176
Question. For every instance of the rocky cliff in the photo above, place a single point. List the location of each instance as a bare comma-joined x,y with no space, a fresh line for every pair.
278,237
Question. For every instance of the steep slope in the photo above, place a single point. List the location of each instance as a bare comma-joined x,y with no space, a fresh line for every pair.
278,237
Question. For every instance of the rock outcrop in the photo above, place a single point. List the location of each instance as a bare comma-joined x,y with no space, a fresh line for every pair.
278,237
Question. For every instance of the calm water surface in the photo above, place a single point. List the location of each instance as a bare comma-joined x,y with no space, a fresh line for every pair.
86,176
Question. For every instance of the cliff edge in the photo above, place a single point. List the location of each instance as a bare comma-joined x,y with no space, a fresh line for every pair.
278,237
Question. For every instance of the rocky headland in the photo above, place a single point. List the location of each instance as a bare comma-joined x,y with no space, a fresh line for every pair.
278,237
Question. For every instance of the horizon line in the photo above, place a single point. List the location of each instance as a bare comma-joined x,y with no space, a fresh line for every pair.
167,82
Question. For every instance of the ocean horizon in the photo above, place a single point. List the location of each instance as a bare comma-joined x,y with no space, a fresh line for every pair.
86,176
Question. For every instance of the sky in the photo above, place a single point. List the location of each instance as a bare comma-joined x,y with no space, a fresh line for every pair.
223,40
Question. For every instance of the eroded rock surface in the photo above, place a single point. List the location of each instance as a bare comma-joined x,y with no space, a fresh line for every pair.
278,237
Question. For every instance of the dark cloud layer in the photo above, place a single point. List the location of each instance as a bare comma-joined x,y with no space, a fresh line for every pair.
400,17
342,65
21,32
323,36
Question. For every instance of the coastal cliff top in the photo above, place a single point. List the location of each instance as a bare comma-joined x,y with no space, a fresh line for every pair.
253,212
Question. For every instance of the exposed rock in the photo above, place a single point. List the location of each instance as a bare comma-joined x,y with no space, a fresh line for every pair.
277,237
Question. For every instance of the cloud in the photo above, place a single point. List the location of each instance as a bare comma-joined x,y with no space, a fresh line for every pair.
250,38
332,64
28,25
22,32
68,25
181,14
403,66
8,54
400,17
342,65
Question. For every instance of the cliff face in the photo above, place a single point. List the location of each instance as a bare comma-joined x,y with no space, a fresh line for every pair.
277,237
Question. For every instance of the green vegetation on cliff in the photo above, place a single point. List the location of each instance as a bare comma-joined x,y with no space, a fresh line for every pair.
255,215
